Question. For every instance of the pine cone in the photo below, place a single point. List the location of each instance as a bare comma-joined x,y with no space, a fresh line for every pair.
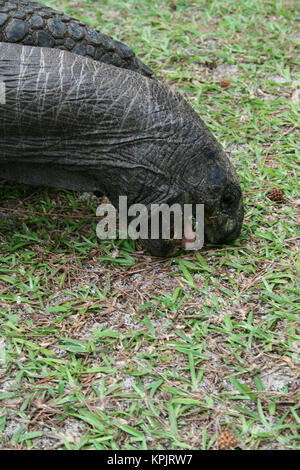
275,195
225,83
226,440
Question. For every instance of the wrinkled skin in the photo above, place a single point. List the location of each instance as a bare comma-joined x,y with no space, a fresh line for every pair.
34,24
68,121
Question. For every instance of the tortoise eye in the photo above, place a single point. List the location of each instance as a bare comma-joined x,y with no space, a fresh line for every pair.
231,196
229,200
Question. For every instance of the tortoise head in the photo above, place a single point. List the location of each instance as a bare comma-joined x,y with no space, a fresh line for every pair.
213,182
209,179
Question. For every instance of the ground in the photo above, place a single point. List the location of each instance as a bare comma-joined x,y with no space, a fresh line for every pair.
105,347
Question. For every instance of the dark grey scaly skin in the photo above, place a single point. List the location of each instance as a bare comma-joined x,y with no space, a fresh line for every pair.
68,121
34,24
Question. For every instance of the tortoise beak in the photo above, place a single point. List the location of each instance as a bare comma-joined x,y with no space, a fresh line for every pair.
224,229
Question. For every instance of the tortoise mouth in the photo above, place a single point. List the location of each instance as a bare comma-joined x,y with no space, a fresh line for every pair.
223,228
218,229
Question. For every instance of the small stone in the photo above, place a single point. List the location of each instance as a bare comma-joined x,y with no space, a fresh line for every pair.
4,9
57,28
3,18
76,31
44,39
12,6
37,22
16,30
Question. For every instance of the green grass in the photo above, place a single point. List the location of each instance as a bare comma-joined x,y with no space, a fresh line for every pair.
105,347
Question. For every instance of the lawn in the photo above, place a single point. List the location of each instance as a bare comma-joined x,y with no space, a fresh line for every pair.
105,347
